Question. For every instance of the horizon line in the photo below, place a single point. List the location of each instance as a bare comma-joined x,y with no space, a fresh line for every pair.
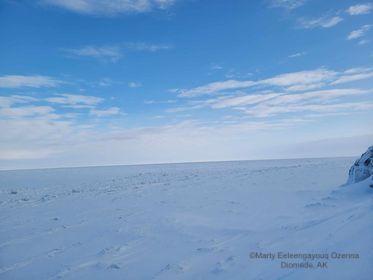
167,163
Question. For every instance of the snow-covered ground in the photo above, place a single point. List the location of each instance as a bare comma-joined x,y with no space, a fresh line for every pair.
185,221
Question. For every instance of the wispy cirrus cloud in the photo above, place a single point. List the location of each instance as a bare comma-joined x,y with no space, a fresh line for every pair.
297,80
321,101
147,47
107,53
354,74
321,22
75,101
110,7
134,84
7,101
298,54
264,110
22,107
26,111
289,93
33,81
18,106
238,101
293,81
360,9
358,33
113,53
214,87
105,112
242,100
288,4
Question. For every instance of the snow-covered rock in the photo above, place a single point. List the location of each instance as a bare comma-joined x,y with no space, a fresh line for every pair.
362,168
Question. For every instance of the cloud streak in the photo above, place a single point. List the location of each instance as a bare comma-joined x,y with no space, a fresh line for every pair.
293,81
113,53
271,103
109,53
110,7
112,111
360,9
321,22
358,33
288,4
298,54
266,111
35,81
75,101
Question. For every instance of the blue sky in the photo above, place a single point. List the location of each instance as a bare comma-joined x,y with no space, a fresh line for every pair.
98,82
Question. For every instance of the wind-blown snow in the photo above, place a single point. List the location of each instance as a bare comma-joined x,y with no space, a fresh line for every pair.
184,221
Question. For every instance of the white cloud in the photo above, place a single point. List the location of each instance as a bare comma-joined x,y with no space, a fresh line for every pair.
215,87
249,99
288,4
73,144
225,101
13,106
310,102
75,101
363,42
265,111
56,142
107,53
293,81
277,94
40,144
26,111
36,81
20,106
169,101
298,54
30,137
23,153
134,84
110,7
358,33
7,101
36,131
301,78
105,112
271,99
354,74
304,87
215,66
322,22
315,96
357,70
147,47
113,53
360,9
105,82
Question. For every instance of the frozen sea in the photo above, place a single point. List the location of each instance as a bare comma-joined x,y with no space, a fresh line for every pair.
186,221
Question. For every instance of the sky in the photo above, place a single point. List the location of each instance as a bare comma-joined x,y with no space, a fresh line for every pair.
99,82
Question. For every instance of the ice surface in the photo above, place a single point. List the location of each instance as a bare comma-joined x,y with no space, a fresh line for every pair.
184,221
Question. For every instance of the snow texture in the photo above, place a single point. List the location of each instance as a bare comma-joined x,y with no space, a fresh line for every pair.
184,221
362,168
